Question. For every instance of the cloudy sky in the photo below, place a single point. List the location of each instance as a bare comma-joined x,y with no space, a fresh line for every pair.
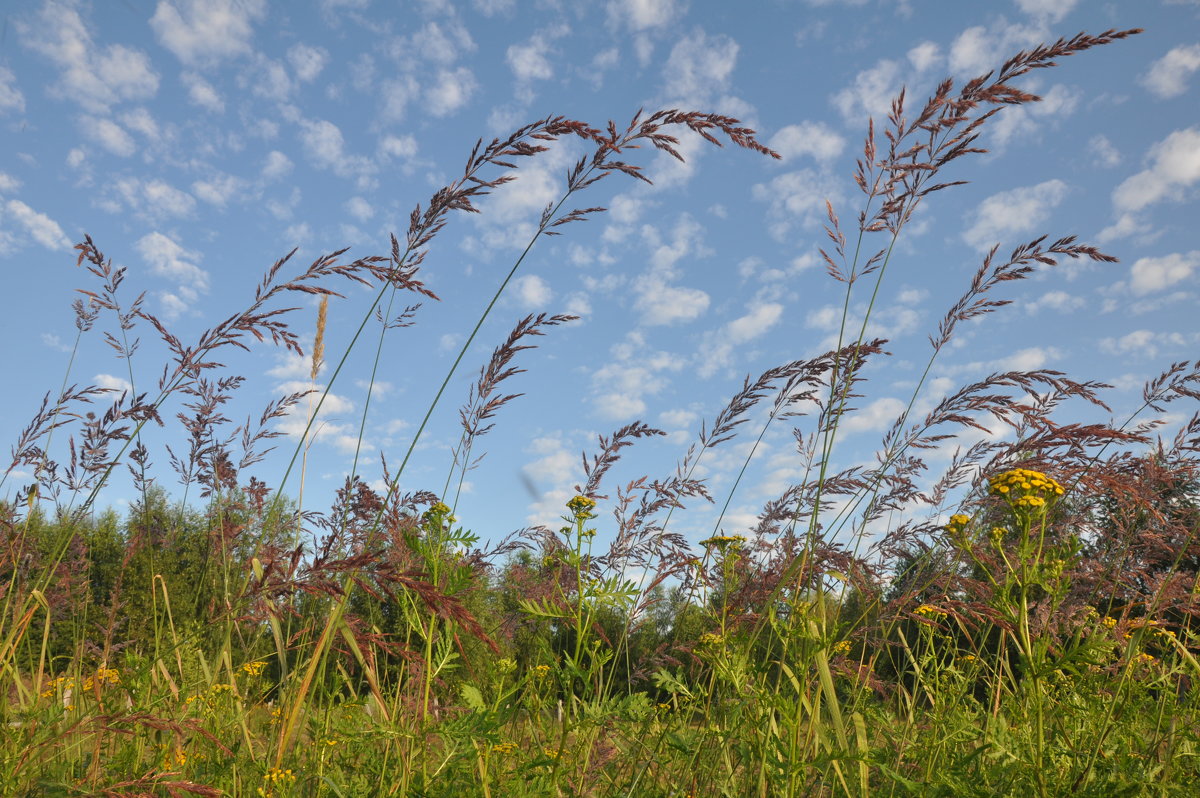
198,141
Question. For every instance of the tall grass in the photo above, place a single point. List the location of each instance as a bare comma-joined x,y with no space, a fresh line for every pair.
1040,643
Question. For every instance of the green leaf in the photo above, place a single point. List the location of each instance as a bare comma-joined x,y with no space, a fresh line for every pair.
473,697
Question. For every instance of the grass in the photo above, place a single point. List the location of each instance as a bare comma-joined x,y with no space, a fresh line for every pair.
1043,642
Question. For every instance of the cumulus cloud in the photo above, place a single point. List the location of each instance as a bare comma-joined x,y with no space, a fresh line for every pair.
450,91
532,291
326,147
40,227
109,135
1168,76
871,93
1142,343
1047,10
201,93
636,371
398,147
11,98
797,198
1175,166
1156,274
1018,210
359,208
718,348
699,68
307,61
171,261
814,139
1058,301
218,189
277,165
202,33
924,56
93,76
1105,152
8,182
640,15
659,299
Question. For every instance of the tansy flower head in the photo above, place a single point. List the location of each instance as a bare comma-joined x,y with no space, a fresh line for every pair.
723,542
841,647
582,506
929,611
1024,488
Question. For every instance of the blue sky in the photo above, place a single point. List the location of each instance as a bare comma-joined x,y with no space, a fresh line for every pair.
198,141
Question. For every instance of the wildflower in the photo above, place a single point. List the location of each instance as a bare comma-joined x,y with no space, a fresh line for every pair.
582,506
958,522
724,542
254,668
1108,622
710,639
506,665
968,658
841,647
1145,659
541,671
505,748
1026,489
275,778
550,753
929,611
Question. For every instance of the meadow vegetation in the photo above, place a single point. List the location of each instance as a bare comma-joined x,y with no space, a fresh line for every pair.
1043,641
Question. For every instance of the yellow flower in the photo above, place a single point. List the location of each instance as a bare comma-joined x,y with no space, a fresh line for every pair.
582,506
841,647
1025,488
505,748
551,753
254,668
723,542
541,671
1108,622
929,611
710,639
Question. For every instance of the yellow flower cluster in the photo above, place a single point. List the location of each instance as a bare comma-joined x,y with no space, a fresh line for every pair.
1108,622
841,647
1024,488
581,506
103,676
958,522
550,753
275,778
968,658
254,668
724,541
929,611
505,748
710,639
541,671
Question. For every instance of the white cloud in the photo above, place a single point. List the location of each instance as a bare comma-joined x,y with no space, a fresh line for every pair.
532,291
1047,10
699,68
109,135
11,98
871,93
277,165
93,76
8,182
1018,210
1142,343
438,43
874,417
40,227
327,148
112,383
531,61
1105,151
1155,274
201,93
639,15
659,300
359,208
1176,165
797,198
1059,301
451,90
307,61
168,259
717,350
398,146
1168,76
924,56
807,138
205,32
218,189
635,372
